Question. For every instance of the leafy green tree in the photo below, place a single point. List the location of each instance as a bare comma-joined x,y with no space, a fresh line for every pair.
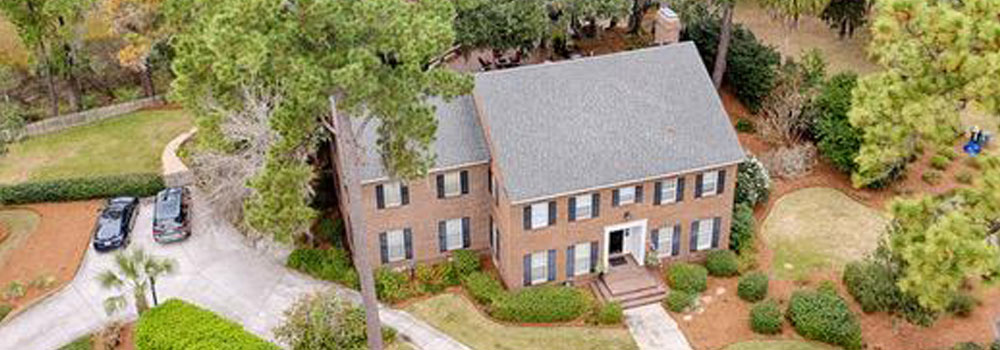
942,241
142,24
37,29
322,321
938,57
134,272
371,58
793,10
591,11
837,139
846,15
501,25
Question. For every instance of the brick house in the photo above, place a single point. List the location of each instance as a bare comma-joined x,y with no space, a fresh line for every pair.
559,169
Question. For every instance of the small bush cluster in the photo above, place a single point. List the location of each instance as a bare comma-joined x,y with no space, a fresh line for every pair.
679,300
687,277
327,264
743,230
962,305
823,316
136,185
464,262
940,162
745,126
722,263
14,290
392,286
176,324
483,288
932,177
766,318
753,183
837,139
607,314
541,304
872,286
753,287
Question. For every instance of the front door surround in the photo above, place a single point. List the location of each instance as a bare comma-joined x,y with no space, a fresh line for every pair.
626,238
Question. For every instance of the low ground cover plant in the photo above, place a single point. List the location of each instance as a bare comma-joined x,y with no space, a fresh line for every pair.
176,324
332,264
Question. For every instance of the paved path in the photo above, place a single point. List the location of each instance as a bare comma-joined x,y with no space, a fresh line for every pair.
216,270
653,329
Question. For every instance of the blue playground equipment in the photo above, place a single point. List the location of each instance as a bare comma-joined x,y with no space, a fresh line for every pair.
977,141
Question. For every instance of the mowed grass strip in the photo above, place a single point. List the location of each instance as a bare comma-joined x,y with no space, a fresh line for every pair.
779,345
124,145
458,318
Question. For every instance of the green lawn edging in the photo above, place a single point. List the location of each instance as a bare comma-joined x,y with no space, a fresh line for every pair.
137,185
176,324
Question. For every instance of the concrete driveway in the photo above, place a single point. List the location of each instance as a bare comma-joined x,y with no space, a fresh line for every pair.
215,269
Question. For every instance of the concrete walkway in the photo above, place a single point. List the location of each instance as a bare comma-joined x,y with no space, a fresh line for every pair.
216,270
653,329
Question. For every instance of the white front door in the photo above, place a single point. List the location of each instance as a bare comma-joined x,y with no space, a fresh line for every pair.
633,241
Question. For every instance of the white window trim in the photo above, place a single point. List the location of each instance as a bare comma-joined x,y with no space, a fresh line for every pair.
668,191
393,238
705,229
582,252
666,243
713,178
539,215
392,194
453,234
452,184
540,260
584,201
621,197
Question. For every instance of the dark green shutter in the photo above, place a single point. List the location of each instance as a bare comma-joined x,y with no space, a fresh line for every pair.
655,237
379,197
694,236
614,198
595,206
658,193
527,269
527,217
404,193
593,256
552,265
464,181
721,184
680,189
676,241
440,185
570,257
572,208
638,193
552,213
442,238
383,244
408,242
716,223
466,236
697,185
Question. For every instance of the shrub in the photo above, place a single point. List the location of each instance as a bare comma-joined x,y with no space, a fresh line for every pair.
14,290
995,345
5,309
136,185
687,277
964,177
743,229
331,230
722,263
940,162
541,304
967,346
465,262
431,278
872,286
607,314
837,139
753,287
947,152
679,300
962,304
745,126
176,324
325,321
483,288
765,317
932,177
327,264
43,282
753,183
825,317
392,286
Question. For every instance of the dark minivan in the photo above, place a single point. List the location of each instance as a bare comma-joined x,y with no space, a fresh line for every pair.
114,226
171,220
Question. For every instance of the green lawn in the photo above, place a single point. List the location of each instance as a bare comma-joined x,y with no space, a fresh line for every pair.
81,343
128,144
779,345
819,228
458,318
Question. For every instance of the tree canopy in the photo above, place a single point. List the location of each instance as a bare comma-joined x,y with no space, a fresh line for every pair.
501,24
372,55
938,57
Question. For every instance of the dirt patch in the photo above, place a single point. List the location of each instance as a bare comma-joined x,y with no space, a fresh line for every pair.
4,232
128,337
55,248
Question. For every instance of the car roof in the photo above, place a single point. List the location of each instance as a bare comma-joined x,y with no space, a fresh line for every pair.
168,202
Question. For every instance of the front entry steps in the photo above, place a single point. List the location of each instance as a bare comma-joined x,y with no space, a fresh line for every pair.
631,286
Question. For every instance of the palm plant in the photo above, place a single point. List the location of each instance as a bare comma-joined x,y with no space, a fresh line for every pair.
134,271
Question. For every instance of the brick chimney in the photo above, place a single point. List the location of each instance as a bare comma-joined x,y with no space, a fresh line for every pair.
667,29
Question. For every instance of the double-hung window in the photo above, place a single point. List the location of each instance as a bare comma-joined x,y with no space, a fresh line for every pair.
668,191
584,207
452,184
396,245
665,241
710,183
393,193
453,234
581,260
539,215
539,267
706,228
626,195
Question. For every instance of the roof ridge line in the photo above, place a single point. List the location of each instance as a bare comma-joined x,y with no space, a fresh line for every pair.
586,59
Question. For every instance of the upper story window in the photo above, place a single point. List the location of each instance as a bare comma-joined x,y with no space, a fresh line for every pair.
453,184
710,183
391,195
669,191
539,215
626,195
584,207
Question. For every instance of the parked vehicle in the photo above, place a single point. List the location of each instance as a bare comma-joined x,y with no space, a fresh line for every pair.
115,224
171,221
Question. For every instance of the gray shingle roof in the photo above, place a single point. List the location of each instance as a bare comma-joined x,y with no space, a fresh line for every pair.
459,138
606,120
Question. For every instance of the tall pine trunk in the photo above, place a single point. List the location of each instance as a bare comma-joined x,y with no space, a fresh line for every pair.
350,162
723,50
146,76
50,86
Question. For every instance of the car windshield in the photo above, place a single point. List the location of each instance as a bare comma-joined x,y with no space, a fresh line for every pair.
112,214
108,228
168,205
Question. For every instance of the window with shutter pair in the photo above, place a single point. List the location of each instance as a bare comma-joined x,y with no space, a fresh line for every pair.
710,183
578,259
396,245
669,191
705,234
453,184
626,195
391,195
584,206
666,240
540,267
453,234
540,215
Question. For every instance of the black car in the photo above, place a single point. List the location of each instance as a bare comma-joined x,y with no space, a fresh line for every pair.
114,226
170,216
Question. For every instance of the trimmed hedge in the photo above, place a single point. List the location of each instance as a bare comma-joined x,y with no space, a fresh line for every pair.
136,185
687,277
722,263
176,324
464,262
765,317
872,286
678,300
753,287
483,288
824,316
326,264
542,304
607,314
